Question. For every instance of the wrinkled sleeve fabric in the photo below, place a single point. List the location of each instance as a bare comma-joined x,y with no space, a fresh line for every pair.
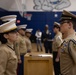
3,61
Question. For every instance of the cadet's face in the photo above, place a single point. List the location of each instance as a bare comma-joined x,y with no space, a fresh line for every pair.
22,32
28,34
55,30
64,27
12,36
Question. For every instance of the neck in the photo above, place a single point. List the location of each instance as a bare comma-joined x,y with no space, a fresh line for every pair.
57,32
27,36
69,33
10,42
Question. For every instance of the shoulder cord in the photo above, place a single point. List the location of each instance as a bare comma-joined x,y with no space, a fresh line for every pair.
69,49
10,47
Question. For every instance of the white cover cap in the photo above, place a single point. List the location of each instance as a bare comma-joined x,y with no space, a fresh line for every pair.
8,17
56,23
22,26
29,30
8,26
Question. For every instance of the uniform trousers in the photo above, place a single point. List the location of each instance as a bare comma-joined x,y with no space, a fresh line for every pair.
56,64
21,66
48,46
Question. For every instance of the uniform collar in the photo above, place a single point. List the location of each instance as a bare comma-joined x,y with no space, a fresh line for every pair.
70,36
10,45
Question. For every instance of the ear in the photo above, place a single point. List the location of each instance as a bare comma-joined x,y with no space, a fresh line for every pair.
6,36
70,25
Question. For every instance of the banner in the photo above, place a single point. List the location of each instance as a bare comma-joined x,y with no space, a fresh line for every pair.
38,5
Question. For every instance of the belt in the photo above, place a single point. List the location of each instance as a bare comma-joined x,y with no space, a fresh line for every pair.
22,53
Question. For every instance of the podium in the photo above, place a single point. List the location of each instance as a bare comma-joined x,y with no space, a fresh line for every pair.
38,64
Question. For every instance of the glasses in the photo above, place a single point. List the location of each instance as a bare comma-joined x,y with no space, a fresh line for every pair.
64,22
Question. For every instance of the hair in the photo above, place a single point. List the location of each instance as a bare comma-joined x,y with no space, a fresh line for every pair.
3,39
74,24
57,26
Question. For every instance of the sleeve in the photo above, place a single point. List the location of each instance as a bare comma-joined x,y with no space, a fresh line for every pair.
17,49
38,34
72,50
59,41
3,61
43,36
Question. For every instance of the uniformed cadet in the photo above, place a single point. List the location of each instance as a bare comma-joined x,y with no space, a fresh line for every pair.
8,58
68,49
28,42
21,45
6,19
55,47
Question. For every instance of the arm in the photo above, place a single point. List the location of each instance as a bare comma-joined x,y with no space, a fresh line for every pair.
58,55
59,42
3,61
38,34
72,49
17,51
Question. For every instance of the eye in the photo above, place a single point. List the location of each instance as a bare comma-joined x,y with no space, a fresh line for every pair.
64,22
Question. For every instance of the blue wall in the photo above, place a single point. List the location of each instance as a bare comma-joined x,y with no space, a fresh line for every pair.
38,20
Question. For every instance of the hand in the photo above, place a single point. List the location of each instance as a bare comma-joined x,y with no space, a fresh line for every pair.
28,51
19,61
57,59
44,39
